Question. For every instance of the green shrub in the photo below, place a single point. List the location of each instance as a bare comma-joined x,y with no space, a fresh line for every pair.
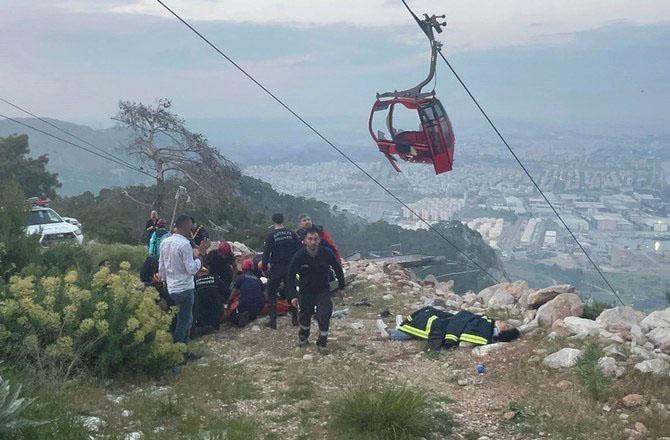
593,308
389,414
12,408
60,258
590,374
116,253
16,249
53,324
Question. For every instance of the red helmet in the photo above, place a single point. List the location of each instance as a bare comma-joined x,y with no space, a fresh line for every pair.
225,249
248,264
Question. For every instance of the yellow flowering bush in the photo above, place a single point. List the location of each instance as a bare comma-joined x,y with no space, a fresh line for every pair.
112,326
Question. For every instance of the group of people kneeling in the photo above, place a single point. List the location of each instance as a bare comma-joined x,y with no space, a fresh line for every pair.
299,266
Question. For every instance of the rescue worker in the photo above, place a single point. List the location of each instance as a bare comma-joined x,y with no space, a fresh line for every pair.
210,296
313,264
444,329
305,222
248,294
221,262
280,246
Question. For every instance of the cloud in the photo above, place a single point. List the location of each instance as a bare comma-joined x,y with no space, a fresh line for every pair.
472,25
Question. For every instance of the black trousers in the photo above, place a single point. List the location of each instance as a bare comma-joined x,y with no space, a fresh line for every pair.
275,280
319,303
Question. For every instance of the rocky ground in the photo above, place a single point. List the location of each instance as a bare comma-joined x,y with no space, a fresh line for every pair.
530,390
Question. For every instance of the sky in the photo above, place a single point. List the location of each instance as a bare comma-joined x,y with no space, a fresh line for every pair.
595,63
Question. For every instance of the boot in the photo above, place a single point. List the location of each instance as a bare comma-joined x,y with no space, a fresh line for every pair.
294,316
321,344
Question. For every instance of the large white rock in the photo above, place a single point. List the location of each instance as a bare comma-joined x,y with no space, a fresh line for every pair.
516,289
622,316
564,358
609,366
539,297
484,350
564,305
659,318
660,336
658,367
581,326
637,335
471,298
528,327
501,298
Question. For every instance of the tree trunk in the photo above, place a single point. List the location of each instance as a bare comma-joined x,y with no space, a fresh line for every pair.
160,188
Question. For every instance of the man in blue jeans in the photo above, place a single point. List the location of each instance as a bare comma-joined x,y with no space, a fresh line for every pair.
177,265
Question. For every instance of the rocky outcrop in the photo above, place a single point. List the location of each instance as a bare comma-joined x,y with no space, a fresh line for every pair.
539,297
564,305
620,317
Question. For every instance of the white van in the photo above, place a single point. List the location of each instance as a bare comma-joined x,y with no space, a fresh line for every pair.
52,227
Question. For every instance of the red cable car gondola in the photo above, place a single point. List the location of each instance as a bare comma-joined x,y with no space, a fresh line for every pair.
434,142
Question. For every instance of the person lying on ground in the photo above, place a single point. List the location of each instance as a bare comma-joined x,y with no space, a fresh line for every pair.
446,330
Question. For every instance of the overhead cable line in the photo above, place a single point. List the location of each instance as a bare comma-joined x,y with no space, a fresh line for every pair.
16,121
322,137
62,130
523,167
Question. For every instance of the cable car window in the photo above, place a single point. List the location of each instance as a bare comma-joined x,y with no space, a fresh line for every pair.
439,110
428,114
379,124
405,119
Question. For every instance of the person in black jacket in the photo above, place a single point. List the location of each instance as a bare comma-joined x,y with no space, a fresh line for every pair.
313,264
210,296
280,246
221,262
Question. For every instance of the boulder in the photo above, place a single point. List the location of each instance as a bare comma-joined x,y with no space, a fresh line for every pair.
564,305
657,367
529,327
659,318
641,353
539,297
624,316
581,326
632,400
637,335
660,336
501,298
610,368
564,358
486,294
486,349
471,298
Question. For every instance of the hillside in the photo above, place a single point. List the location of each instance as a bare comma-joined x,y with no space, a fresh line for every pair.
255,383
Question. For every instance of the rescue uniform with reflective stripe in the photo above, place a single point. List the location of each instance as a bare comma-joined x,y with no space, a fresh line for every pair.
445,329
420,323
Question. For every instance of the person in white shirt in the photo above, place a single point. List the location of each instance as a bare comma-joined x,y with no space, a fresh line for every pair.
178,264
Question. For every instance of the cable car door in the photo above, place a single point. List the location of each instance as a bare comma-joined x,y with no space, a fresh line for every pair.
437,127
